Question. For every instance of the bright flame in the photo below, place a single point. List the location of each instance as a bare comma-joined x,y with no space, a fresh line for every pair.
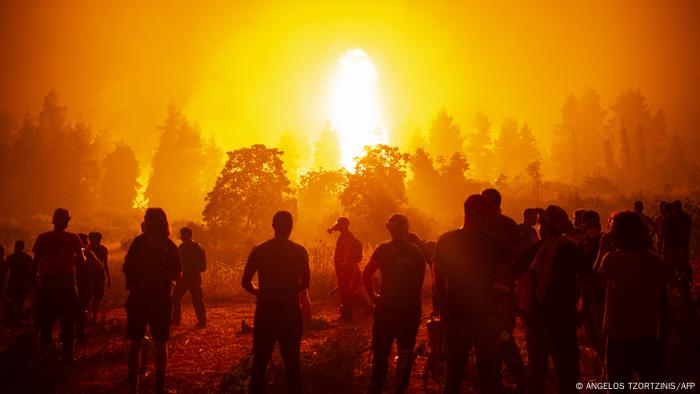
356,111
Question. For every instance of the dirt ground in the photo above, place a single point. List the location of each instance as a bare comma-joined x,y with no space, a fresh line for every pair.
335,356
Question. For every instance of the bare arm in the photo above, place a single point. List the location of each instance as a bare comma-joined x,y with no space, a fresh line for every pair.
107,273
248,273
367,273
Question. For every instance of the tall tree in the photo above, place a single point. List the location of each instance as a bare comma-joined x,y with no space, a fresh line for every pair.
479,147
376,189
506,147
444,136
252,186
177,181
120,183
327,149
295,153
528,151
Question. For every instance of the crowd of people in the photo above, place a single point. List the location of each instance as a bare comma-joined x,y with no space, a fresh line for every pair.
554,274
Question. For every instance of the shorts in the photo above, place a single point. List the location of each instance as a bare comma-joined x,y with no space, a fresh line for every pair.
151,310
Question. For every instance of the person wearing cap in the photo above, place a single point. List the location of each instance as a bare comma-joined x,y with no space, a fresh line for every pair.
57,254
398,306
151,265
283,272
348,254
467,263
547,274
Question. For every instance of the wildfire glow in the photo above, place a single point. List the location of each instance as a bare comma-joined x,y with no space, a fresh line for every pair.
356,111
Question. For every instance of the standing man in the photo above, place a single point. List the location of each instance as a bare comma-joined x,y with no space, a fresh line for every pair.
150,266
283,272
19,278
57,253
398,312
99,274
466,263
348,254
193,264
648,222
528,234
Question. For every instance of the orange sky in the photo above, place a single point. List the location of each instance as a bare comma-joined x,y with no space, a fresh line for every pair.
246,72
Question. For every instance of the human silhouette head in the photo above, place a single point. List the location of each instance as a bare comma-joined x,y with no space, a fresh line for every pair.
590,223
61,217
282,223
530,217
398,226
83,238
639,207
341,225
628,231
494,196
477,209
186,234
555,221
95,238
19,246
578,214
155,223
678,206
668,208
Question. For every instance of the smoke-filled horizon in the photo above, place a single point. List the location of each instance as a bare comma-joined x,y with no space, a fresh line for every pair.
246,73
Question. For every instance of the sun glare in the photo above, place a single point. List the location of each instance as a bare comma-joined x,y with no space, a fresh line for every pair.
356,111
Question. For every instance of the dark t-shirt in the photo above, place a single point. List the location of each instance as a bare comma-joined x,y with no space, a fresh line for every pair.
56,252
100,267
561,297
151,265
507,231
193,260
468,261
528,236
676,229
402,267
19,266
282,265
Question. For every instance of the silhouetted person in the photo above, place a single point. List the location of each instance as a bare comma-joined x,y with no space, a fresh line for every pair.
593,289
397,316
85,287
548,273
509,233
18,282
99,274
466,265
658,221
283,272
193,264
528,234
633,302
576,232
151,265
676,230
648,222
348,254
57,254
